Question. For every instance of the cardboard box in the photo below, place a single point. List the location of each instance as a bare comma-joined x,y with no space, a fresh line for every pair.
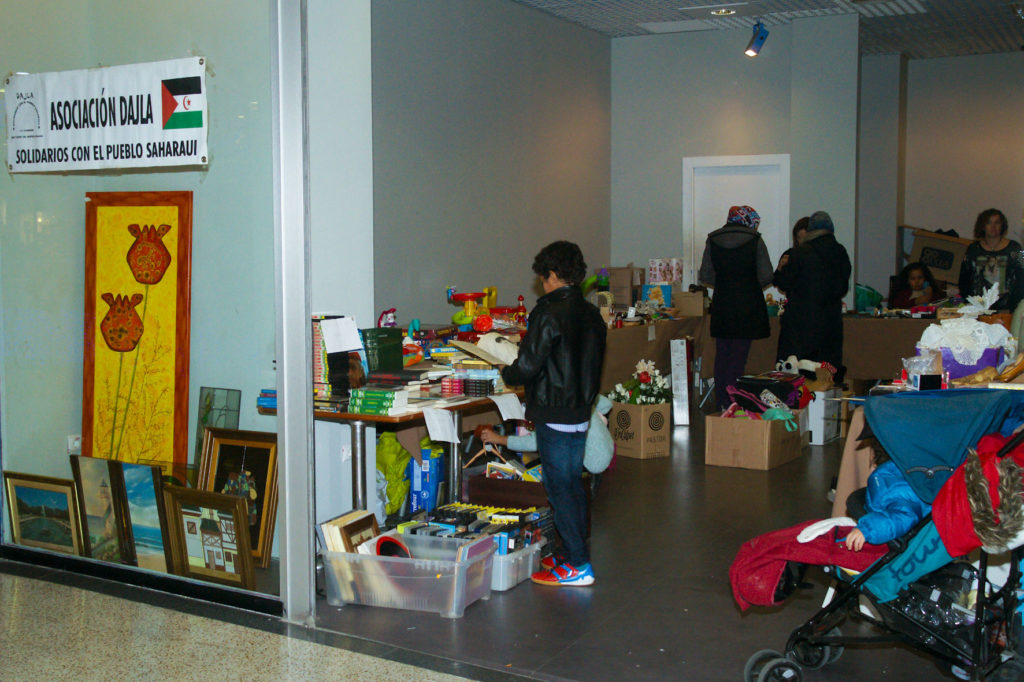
823,416
622,282
641,431
688,303
749,443
941,253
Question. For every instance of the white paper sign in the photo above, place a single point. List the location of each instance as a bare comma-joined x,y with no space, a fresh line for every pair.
340,334
508,406
132,116
440,425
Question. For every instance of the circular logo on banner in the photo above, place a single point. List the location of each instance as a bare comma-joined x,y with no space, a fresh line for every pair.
656,421
622,419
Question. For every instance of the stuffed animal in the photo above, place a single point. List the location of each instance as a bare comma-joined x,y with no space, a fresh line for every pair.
792,365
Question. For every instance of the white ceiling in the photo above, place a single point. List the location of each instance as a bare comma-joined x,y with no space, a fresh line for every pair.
920,29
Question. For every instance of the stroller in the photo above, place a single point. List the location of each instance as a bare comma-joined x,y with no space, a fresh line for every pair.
918,594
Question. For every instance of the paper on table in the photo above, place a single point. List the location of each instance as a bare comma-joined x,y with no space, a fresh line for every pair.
509,406
340,334
440,425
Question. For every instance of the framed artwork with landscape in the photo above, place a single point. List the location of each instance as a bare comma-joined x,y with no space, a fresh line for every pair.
207,536
138,489
103,522
138,250
44,512
244,463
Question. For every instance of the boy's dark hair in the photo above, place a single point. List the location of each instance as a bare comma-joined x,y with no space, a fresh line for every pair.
982,221
879,456
800,225
562,258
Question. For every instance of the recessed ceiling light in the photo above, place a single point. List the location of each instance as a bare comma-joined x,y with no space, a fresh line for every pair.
723,12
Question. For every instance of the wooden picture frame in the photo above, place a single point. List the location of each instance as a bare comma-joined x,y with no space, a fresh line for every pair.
44,512
101,516
204,543
138,490
244,463
138,252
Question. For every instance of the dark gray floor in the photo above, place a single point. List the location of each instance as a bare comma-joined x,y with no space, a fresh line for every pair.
664,534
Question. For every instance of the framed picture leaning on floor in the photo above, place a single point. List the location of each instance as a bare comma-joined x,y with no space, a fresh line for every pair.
44,512
207,536
244,463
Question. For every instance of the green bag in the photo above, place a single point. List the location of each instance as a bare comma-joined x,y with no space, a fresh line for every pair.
392,460
866,298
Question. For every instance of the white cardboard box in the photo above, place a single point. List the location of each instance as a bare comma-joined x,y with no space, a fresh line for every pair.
823,416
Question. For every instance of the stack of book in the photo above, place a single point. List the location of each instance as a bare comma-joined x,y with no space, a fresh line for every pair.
267,399
321,381
387,401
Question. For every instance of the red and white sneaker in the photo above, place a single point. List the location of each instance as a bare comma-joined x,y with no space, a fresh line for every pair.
552,560
565,575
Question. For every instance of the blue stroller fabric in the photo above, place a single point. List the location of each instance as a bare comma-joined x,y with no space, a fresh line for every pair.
928,433
924,554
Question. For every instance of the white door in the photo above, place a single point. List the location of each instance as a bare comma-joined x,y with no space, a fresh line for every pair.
711,184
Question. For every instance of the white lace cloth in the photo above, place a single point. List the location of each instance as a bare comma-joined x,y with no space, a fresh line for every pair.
967,339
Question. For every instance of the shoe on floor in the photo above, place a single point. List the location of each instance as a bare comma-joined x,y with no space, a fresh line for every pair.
552,560
565,575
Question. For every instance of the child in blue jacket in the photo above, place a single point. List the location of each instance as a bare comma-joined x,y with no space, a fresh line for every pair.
893,508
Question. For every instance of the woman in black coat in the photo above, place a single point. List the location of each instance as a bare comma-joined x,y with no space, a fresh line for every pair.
815,276
737,267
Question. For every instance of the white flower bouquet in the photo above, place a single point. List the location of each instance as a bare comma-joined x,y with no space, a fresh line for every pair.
646,387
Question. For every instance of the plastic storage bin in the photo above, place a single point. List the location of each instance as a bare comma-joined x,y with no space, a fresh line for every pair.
512,569
431,581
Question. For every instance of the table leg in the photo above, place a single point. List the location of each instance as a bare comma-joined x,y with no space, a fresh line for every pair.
455,463
358,464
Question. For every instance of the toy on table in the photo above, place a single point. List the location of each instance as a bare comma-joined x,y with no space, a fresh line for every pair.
520,315
387,318
469,307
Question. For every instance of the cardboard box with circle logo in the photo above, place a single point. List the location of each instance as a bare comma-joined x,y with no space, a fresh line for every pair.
641,431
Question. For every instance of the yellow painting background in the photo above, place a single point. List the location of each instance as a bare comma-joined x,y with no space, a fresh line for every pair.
140,425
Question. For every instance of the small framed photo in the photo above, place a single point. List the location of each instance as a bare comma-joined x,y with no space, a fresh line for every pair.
104,534
244,464
209,538
44,512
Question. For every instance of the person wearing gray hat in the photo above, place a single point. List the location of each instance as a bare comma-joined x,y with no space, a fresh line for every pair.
815,276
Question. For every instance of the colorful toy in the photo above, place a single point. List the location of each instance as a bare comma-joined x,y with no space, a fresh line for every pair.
387,318
469,307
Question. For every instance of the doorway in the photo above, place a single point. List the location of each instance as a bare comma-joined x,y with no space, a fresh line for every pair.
711,184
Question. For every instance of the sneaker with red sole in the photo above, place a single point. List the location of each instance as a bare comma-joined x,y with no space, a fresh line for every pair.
565,575
552,560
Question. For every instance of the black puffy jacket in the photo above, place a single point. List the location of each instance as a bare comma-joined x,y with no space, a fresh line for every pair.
560,358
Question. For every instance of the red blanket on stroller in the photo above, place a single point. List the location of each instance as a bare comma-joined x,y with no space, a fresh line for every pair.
758,566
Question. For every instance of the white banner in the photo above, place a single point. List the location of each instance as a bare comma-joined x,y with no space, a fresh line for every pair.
132,116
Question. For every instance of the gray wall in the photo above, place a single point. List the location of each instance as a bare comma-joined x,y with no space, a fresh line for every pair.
696,94
491,129
880,173
965,141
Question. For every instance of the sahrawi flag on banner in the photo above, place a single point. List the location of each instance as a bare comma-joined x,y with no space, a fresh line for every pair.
182,100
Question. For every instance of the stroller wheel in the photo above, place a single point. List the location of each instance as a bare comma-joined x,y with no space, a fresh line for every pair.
780,670
752,671
810,656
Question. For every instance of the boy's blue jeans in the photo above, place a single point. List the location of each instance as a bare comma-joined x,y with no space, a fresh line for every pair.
562,456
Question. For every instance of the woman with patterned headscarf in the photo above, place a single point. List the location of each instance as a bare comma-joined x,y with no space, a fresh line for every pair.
737,267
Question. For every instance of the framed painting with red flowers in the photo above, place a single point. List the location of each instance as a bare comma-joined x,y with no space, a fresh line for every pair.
138,252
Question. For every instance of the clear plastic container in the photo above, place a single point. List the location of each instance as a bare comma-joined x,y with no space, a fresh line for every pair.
512,569
433,580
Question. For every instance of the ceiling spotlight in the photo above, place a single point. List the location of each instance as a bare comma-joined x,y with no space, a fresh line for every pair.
723,12
757,40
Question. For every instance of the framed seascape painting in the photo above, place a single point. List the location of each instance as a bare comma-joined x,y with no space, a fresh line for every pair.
44,512
208,537
138,250
138,489
244,463
103,522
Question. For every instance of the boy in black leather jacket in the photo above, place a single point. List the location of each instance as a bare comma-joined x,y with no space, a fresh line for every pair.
559,365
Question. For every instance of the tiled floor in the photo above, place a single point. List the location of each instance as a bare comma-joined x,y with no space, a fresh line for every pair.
664,534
